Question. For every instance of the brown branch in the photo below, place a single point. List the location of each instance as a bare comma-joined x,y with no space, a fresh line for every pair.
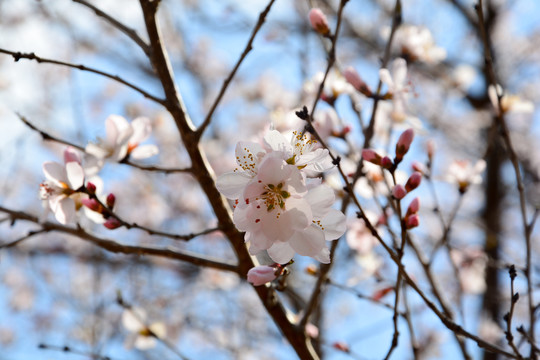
31,56
115,247
227,81
492,80
48,137
204,175
132,34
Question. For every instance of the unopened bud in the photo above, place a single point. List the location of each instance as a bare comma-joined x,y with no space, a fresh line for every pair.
342,346
371,156
92,204
418,166
412,221
312,270
318,21
91,188
414,207
404,143
414,181
112,223
353,78
430,148
260,275
111,199
399,192
387,163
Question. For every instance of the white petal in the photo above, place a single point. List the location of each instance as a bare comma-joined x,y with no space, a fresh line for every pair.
248,156
97,151
321,199
118,130
317,160
144,151
399,72
142,128
334,224
159,329
133,319
323,256
75,175
65,212
145,342
232,184
273,170
277,142
308,242
258,242
55,173
384,74
281,252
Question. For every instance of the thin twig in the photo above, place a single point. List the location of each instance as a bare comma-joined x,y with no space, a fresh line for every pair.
492,80
48,137
227,81
132,34
22,238
115,247
514,297
31,56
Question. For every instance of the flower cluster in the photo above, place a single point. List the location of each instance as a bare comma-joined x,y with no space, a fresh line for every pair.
281,210
65,191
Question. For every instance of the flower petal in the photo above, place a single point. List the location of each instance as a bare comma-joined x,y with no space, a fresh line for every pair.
308,242
334,224
281,252
55,173
133,319
321,199
142,128
65,211
323,256
277,142
232,184
75,175
143,152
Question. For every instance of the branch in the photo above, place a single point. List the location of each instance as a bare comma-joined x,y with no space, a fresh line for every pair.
114,247
227,81
31,56
492,80
202,171
132,34
48,137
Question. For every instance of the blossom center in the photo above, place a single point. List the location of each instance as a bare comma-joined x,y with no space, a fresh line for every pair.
274,196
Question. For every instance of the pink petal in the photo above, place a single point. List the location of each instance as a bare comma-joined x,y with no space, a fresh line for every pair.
323,256
273,170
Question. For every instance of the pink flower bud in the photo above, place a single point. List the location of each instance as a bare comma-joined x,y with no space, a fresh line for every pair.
353,78
112,223
111,199
318,21
414,181
70,155
404,143
312,331
91,188
371,156
260,275
92,204
430,147
399,192
387,163
414,207
418,166
412,221
342,346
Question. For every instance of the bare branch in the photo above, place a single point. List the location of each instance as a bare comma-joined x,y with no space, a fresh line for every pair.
132,34
227,81
31,56
114,247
